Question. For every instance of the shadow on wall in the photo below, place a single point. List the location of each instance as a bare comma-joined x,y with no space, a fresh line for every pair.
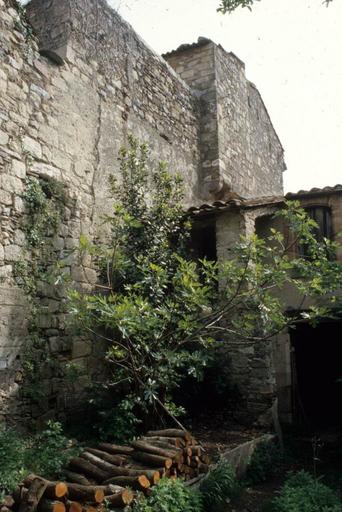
13,329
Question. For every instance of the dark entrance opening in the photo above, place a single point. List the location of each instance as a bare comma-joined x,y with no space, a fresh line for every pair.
317,374
203,240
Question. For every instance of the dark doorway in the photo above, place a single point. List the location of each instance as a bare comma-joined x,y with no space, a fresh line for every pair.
317,373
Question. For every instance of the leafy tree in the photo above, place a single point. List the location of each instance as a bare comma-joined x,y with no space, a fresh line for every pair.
231,5
161,311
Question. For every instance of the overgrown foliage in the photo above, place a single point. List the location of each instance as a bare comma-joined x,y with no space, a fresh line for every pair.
303,493
40,269
45,453
161,312
266,463
231,5
170,496
219,488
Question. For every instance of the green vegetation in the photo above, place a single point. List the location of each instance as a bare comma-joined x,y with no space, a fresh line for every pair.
219,487
231,5
266,463
163,314
170,496
45,453
303,493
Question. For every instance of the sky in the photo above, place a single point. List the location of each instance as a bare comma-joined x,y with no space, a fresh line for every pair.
292,51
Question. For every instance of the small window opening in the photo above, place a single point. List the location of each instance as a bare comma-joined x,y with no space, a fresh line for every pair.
323,231
203,240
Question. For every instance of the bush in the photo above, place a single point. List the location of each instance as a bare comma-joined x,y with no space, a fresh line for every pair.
12,456
302,493
219,487
170,496
265,463
49,451
45,453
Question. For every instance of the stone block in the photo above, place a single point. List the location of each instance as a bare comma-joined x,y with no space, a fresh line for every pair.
32,147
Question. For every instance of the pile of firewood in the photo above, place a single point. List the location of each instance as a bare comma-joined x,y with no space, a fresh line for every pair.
110,474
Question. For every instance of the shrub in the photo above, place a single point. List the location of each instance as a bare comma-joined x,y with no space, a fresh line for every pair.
12,456
170,496
219,487
302,493
265,463
45,453
49,451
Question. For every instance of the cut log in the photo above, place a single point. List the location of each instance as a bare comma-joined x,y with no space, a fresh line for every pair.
74,506
89,469
7,501
176,442
76,478
171,432
52,506
35,493
52,489
121,499
142,446
115,448
102,464
152,460
116,460
152,474
138,483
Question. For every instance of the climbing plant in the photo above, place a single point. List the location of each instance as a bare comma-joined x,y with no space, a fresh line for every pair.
40,268
160,311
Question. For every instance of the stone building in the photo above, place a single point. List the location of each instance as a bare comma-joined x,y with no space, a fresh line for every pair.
69,96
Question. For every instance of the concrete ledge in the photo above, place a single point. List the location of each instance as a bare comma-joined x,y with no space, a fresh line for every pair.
240,456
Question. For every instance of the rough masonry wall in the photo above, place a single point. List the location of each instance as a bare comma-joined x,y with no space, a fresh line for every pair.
251,156
67,122
68,100
240,149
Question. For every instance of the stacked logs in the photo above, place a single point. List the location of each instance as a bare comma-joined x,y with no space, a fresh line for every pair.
109,474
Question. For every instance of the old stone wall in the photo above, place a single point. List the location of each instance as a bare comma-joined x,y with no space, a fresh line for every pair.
241,151
68,100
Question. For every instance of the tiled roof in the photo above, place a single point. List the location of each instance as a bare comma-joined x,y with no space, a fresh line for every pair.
234,200
314,191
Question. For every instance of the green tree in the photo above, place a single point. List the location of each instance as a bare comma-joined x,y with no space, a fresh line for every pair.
232,5
161,311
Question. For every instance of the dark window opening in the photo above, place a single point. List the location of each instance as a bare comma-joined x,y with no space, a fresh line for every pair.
317,374
203,240
322,216
323,231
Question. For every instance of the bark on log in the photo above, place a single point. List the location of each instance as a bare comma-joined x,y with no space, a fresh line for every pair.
152,460
151,474
76,478
52,489
89,469
175,442
138,483
115,448
171,432
102,464
142,446
35,492
116,460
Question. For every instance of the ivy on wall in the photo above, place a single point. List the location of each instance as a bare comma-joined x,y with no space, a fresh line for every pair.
41,270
